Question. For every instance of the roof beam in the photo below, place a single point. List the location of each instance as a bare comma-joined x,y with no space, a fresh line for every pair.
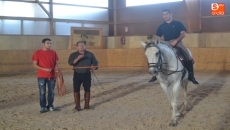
81,5
55,20
59,4
82,21
47,12
20,1
24,18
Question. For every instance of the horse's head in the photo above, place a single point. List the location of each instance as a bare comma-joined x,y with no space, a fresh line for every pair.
152,53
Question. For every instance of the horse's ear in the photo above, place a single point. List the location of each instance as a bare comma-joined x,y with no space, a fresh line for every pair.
143,44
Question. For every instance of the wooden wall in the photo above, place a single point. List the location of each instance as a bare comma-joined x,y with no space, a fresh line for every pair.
126,57
14,62
211,51
191,40
101,55
194,14
211,58
144,20
18,42
211,23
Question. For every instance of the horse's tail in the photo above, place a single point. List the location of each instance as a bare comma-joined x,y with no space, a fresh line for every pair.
60,83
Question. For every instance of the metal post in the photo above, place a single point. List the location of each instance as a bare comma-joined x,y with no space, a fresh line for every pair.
22,27
115,17
51,18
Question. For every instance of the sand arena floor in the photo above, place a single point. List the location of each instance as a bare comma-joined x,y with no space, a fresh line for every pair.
125,101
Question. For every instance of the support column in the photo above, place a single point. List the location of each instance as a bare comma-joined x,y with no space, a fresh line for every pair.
115,17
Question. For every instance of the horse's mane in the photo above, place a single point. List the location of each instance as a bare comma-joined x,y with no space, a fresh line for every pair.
165,43
150,44
153,44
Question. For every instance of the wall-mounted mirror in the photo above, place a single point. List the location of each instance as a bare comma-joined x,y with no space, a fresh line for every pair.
92,36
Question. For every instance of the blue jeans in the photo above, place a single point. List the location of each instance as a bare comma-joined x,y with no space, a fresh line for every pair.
42,91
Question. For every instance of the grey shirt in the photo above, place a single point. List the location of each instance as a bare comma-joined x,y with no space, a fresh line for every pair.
88,60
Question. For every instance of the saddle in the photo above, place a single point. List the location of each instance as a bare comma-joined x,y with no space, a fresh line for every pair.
181,55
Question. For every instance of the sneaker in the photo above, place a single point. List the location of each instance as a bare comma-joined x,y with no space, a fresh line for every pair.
51,109
43,110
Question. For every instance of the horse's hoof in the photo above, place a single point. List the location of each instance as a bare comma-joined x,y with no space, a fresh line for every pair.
174,124
181,115
178,114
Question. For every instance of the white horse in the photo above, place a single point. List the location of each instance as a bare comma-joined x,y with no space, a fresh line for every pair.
164,64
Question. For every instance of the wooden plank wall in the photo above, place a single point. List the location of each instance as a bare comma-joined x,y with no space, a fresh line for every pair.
211,23
19,61
13,62
194,14
144,20
211,58
31,42
126,57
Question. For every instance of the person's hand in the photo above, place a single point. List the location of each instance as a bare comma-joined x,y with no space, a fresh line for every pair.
56,70
173,43
80,56
92,68
47,69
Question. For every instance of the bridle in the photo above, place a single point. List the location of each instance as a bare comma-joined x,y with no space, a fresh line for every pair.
159,63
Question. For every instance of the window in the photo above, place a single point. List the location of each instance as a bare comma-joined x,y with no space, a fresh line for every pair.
20,9
98,12
105,28
80,13
147,2
36,27
10,26
97,3
63,28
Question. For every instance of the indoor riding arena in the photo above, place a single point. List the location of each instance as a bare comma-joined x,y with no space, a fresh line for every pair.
122,98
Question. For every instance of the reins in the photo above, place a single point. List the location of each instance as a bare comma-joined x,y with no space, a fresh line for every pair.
159,62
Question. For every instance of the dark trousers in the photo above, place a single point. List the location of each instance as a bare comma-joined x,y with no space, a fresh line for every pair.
81,78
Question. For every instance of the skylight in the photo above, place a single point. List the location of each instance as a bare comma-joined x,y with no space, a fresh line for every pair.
147,2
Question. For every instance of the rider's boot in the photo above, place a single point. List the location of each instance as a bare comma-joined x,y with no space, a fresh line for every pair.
191,72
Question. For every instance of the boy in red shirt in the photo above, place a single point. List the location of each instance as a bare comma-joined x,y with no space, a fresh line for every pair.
45,61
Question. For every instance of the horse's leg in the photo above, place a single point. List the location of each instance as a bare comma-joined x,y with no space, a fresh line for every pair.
167,91
184,86
175,113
